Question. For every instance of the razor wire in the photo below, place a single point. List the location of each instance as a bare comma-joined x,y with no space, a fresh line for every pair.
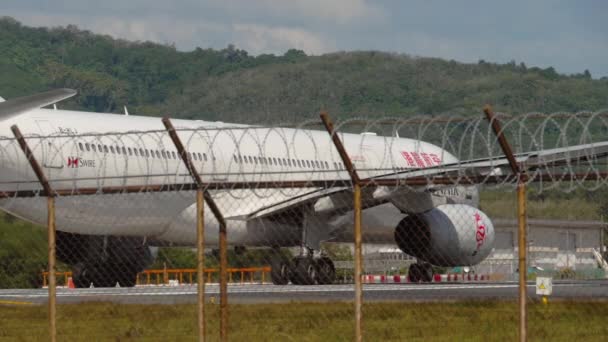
132,195
394,148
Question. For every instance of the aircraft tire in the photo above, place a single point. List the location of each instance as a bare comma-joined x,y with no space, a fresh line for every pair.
326,271
125,276
414,273
305,271
279,271
426,271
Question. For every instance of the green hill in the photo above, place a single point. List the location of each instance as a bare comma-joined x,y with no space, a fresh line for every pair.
231,85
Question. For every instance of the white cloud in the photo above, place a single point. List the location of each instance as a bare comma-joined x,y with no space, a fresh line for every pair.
263,39
331,11
186,34
253,38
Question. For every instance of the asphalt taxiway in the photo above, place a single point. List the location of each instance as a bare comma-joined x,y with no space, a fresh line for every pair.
267,293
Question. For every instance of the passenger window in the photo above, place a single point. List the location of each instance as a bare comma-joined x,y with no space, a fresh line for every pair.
162,153
87,146
80,146
105,148
157,154
124,150
174,154
136,153
112,149
205,156
94,148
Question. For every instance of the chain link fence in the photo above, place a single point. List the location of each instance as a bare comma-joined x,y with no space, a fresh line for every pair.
388,228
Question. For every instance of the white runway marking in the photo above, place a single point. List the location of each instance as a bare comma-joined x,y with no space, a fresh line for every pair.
235,289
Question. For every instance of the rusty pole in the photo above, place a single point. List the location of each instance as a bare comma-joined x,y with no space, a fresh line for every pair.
50,229
521,220
200,262
203,193
357,228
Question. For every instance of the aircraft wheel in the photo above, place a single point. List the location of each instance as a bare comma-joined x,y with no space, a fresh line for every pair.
326,271
414,273
305,271
125,276
279,271
80,276
426,272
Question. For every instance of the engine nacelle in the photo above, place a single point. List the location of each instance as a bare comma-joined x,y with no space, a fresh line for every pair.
448,235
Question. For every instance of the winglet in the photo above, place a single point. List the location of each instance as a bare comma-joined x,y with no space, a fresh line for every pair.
14,107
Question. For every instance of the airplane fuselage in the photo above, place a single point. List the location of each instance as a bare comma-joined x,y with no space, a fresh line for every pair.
80,149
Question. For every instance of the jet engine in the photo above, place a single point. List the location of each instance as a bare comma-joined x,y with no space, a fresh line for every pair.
448,235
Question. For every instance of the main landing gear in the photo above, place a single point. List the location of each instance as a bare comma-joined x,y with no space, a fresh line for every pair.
304,269
420,272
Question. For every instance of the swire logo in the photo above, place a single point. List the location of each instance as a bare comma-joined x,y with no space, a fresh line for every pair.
73,162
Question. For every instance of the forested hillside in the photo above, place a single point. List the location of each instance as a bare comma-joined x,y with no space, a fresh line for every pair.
230,85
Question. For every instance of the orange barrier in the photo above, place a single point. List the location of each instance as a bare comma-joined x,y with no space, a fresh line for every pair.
58,275
184,275
188,275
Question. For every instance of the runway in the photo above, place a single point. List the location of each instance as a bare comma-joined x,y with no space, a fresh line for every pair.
256,293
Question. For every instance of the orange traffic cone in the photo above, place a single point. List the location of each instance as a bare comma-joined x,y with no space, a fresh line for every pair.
71,283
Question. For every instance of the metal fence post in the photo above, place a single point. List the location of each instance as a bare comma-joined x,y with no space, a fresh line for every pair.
521,219
52,283
203,194
357,227
200,262
523,268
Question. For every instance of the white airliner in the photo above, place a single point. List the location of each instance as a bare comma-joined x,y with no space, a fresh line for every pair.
106,238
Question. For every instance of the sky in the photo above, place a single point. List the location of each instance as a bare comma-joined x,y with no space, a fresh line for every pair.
570,36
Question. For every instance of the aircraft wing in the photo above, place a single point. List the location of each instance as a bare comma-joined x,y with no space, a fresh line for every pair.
14,107
339,199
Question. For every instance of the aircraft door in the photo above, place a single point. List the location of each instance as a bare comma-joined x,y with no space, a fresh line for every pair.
52,157
369,162
215,163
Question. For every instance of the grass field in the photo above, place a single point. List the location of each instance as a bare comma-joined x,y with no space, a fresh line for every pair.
460,321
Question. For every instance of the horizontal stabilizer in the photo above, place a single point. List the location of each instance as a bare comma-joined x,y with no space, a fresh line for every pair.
14,107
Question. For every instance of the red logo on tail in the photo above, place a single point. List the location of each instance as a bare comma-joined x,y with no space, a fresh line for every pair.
480,235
